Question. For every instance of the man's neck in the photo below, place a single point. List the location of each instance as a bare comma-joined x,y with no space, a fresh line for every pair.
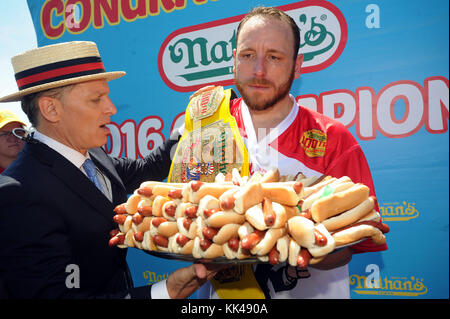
265,120
57,136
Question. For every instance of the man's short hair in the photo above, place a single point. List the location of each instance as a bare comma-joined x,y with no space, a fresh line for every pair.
274,13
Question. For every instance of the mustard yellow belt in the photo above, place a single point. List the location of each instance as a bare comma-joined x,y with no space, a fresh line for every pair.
211,144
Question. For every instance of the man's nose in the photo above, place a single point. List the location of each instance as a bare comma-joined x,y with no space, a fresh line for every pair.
110,107
259,67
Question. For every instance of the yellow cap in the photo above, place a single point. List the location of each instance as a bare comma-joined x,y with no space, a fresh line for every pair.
7,117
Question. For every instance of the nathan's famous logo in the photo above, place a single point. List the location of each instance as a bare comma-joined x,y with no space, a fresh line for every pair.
152,277
396,211
202,54
314,142
375,284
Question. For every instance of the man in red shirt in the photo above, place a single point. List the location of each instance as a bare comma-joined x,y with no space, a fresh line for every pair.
280,133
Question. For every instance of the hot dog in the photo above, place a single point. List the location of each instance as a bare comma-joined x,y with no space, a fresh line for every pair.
186,209
180,244
233,250
339,202
158,203
279,253
218,218
161,242
336,185
138,238
170,190
350,216
168,210
247,196
148,243
197,190
259,242
359,230
286,193
129,238
223,233
268,241
315,238
117,240
132,202
204,248
140,223
163,227
268,214
209,210
187,226
124,222
298,256
271,176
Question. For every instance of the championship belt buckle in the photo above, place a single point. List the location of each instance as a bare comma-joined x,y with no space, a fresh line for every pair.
206,104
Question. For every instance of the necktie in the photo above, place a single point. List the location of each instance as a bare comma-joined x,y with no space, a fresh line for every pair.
91,172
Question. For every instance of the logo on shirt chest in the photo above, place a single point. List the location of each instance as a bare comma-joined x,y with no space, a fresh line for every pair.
314,142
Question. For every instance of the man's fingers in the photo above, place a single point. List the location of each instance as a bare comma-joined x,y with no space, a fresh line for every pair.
200,271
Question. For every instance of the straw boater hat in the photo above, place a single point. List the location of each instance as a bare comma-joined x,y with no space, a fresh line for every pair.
57,65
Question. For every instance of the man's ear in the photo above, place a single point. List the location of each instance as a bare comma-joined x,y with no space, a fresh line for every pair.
50,108
298,66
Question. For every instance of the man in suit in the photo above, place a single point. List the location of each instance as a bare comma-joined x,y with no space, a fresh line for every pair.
57,198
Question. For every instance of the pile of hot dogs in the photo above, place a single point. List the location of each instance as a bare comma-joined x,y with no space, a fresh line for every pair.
264,216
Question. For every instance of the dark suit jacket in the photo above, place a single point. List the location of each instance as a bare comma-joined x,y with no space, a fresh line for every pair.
55,224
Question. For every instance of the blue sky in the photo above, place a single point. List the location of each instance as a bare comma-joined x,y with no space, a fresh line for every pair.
16,35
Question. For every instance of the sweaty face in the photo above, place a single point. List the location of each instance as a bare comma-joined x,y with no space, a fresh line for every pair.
85,111
264,66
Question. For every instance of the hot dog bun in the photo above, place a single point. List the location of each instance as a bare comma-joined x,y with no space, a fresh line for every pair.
283,193
282,247
176,248
210,189
270,238
336,184
350,216
213,251
158,203
207,202
247,196
148,243
163,227
142,226
131,204
226,232
168,210
236,252
222,218
339,202
254,215
271,176
360,230
192,231
302,230
318,251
